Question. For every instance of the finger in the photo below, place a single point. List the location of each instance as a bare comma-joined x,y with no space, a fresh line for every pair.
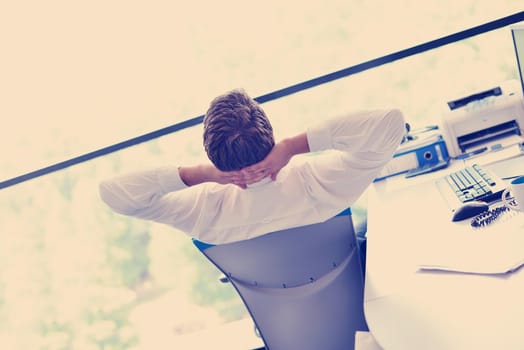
252,172
255,168
236,179
240,183
263,173
254,179
235,174
249,169
256,175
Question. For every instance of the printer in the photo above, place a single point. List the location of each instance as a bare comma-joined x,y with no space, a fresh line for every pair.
484,119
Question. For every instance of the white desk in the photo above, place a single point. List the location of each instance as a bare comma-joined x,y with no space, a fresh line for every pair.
409,309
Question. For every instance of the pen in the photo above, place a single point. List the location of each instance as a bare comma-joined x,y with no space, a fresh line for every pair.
472,153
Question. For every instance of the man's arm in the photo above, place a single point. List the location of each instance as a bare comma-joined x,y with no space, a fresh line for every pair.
145,193
373,133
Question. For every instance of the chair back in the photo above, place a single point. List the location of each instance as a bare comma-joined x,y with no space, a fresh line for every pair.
302,286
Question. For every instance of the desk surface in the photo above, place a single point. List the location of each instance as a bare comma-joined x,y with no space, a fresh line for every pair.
411,309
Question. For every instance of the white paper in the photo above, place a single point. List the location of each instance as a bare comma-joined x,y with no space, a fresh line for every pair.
494,249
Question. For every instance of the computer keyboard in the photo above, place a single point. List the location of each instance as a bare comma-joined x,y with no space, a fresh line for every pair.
475,183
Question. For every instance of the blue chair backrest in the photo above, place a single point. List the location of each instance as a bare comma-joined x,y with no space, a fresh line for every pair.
302,286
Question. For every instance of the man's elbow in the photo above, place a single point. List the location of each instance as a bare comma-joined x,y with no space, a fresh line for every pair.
396,125
111,199
396,118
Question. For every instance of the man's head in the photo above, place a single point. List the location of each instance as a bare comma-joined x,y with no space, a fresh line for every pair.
237,132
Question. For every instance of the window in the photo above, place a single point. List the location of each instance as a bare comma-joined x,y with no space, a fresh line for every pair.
78,77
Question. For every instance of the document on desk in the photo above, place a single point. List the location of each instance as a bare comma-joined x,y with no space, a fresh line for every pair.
494,249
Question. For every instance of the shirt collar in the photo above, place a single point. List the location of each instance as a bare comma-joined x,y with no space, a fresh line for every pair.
262,182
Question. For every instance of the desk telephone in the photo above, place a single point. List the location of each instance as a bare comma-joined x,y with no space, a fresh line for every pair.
469,191
490,216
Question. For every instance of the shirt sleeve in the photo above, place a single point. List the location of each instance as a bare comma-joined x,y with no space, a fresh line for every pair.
364,143
372,131
154,194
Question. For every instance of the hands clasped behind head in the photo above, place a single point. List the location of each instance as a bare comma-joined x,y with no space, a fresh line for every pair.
277,158
247,176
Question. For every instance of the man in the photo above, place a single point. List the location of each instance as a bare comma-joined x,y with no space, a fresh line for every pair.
248,190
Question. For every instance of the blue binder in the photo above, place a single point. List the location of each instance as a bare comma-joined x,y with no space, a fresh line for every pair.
417,157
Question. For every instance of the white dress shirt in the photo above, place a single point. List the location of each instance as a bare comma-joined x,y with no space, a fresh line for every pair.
355,147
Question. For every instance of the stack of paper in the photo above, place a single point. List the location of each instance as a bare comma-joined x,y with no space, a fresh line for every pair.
494,249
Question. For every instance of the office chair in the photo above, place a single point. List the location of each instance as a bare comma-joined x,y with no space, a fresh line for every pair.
303,286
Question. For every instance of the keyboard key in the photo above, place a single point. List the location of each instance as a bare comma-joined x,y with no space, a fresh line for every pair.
470,183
